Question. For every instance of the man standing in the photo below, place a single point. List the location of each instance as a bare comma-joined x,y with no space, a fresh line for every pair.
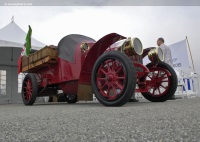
166,50
167,54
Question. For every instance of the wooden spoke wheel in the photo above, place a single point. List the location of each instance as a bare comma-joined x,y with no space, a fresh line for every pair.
162,81
29,89
113,78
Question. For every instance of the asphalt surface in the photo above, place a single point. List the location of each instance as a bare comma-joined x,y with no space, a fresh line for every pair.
177,120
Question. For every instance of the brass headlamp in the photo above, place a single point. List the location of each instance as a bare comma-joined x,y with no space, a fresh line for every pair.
132,47
156,54
84,46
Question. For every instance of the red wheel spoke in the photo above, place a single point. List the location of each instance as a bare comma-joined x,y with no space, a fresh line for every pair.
114,65
163,78
163,75
120,86
164,81
153,74
108,92
120,68
114,91
111,96
101,79
120,78
29,82
103,86
108,66
158,74
163,86
26,83
159,90
154,89
149,77
103,71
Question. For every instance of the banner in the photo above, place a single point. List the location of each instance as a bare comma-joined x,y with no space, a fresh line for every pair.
180,58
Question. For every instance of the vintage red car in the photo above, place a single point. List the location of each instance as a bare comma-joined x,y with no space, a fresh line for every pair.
110,68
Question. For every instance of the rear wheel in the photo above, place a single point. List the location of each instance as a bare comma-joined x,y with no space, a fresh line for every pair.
162,81
71,98
113,78
29,89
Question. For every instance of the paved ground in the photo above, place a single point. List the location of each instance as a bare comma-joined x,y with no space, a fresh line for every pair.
177,120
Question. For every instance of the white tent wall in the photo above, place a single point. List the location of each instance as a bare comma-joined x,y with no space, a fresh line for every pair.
9,56
12,39
8,63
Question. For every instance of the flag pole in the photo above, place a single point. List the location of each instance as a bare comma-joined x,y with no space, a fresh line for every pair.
190,54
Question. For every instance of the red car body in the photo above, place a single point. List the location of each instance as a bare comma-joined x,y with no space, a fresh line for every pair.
76,76
73,72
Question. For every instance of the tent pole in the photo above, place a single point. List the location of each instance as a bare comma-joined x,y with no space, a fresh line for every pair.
12,54
190,53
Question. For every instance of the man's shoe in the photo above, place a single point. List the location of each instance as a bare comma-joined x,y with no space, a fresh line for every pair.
173,98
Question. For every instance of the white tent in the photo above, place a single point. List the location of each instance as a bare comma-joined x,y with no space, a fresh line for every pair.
12,39
13,36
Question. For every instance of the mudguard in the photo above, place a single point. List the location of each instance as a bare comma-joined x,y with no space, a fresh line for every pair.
146,51
84,84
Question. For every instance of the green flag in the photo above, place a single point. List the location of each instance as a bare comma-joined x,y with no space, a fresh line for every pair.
28,41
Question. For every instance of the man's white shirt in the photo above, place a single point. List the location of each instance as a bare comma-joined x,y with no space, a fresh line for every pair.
167,54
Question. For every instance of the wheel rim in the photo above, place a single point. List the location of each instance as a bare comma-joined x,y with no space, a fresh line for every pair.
111,79
159,82
28,89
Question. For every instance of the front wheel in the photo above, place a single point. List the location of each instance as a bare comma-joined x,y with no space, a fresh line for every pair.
29,89
161,81
113,78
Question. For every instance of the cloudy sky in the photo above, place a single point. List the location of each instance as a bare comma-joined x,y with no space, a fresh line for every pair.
50,24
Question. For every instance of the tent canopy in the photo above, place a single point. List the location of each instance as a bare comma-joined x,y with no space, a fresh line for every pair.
13,36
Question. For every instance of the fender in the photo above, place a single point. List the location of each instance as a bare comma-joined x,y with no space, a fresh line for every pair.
84,83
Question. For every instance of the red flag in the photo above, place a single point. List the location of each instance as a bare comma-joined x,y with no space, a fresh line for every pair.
19,62
26,49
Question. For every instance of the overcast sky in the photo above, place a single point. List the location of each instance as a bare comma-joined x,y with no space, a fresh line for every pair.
50,24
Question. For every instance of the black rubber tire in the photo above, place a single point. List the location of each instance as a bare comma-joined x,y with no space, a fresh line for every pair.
173,84
33,79
130,78
71,98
